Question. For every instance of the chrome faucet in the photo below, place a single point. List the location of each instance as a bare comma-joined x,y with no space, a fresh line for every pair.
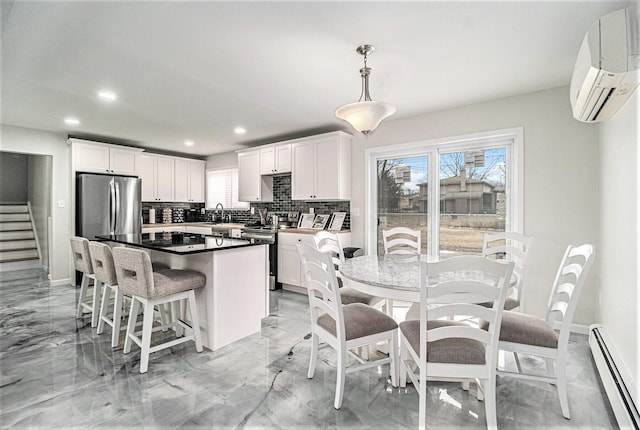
221,207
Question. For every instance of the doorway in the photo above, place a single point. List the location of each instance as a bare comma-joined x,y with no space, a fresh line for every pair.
25,210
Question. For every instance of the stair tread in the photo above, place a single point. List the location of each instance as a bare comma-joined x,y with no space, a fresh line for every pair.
31,248
21,239
15,260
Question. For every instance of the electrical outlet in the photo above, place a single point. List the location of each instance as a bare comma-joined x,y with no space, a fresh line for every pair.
253,210
311,210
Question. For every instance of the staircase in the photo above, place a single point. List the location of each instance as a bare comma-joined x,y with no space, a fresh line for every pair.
18,249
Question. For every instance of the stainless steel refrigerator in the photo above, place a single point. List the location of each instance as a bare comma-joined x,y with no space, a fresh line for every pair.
107,204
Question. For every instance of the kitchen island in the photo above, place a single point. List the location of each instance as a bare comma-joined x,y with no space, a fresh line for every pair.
235,298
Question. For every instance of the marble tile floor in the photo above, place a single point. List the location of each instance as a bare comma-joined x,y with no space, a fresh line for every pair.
55,372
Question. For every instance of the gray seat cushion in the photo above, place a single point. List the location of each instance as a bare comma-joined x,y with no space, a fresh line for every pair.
526,329
509,304
450,350
359,320
170,281
348,296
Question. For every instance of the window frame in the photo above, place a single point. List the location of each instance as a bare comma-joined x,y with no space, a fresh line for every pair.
512,138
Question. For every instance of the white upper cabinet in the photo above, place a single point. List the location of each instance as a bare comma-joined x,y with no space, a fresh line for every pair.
321,168
252,186
158,175
275,159
104,158
189,180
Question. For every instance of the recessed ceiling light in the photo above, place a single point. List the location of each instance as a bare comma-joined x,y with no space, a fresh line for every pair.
189,142
107,95
239,130
72,121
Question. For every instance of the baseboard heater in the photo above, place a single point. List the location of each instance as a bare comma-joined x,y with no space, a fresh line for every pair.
620,388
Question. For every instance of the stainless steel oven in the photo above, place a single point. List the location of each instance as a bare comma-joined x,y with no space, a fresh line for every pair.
268,236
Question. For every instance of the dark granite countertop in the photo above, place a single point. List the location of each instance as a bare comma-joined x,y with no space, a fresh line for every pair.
177,243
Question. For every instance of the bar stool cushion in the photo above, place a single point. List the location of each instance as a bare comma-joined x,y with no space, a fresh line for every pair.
359,320
81,255
102,262
170,281
449,350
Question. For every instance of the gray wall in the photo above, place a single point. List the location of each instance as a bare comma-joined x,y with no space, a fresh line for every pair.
561,178
13,177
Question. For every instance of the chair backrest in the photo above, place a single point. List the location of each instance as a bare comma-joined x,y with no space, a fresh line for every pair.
328,242
401,240
133,271
81,254
322,286
567,285
102,261
511,246
460,285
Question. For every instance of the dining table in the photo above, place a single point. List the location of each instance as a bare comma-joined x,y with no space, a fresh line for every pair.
396,276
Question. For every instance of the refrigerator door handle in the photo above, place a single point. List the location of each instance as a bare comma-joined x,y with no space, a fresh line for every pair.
115,218
112,207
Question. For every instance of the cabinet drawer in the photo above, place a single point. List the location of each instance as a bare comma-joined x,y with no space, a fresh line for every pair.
294,239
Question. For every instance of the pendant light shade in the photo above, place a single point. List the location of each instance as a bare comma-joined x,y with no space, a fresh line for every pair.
365,115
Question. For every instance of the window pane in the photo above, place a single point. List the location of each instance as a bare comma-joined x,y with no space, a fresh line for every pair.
402,196
472,199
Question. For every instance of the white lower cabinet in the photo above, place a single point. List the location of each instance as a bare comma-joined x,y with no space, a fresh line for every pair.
289,265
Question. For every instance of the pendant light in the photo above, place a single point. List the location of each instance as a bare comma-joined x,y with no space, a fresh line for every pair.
365,115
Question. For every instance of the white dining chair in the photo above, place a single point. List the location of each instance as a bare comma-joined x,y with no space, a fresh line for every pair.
530,335
401,240
442,346
342,327
516,247
330,243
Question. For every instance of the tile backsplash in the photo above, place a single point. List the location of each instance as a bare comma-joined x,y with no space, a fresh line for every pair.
281,204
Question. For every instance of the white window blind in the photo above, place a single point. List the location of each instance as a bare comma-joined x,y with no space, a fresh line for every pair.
222,187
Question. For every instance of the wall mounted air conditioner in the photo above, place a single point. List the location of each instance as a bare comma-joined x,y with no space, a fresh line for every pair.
607,69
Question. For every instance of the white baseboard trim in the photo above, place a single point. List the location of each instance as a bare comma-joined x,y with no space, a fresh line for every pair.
57,282
618,383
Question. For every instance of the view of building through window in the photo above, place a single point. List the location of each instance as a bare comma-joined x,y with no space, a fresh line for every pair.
471,197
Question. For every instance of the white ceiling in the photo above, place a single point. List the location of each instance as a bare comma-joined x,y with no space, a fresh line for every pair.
196,70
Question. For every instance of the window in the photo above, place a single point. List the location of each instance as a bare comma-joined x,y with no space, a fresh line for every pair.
222,187
477,190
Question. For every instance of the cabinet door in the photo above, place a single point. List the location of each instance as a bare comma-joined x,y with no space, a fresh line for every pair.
283,158
289,265
267,161
249,176
165,179
122,161
147,173
303,171
181,188
327,173
90,157
196,181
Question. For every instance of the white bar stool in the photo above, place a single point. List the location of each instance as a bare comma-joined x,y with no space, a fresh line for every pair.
149,289
82,263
